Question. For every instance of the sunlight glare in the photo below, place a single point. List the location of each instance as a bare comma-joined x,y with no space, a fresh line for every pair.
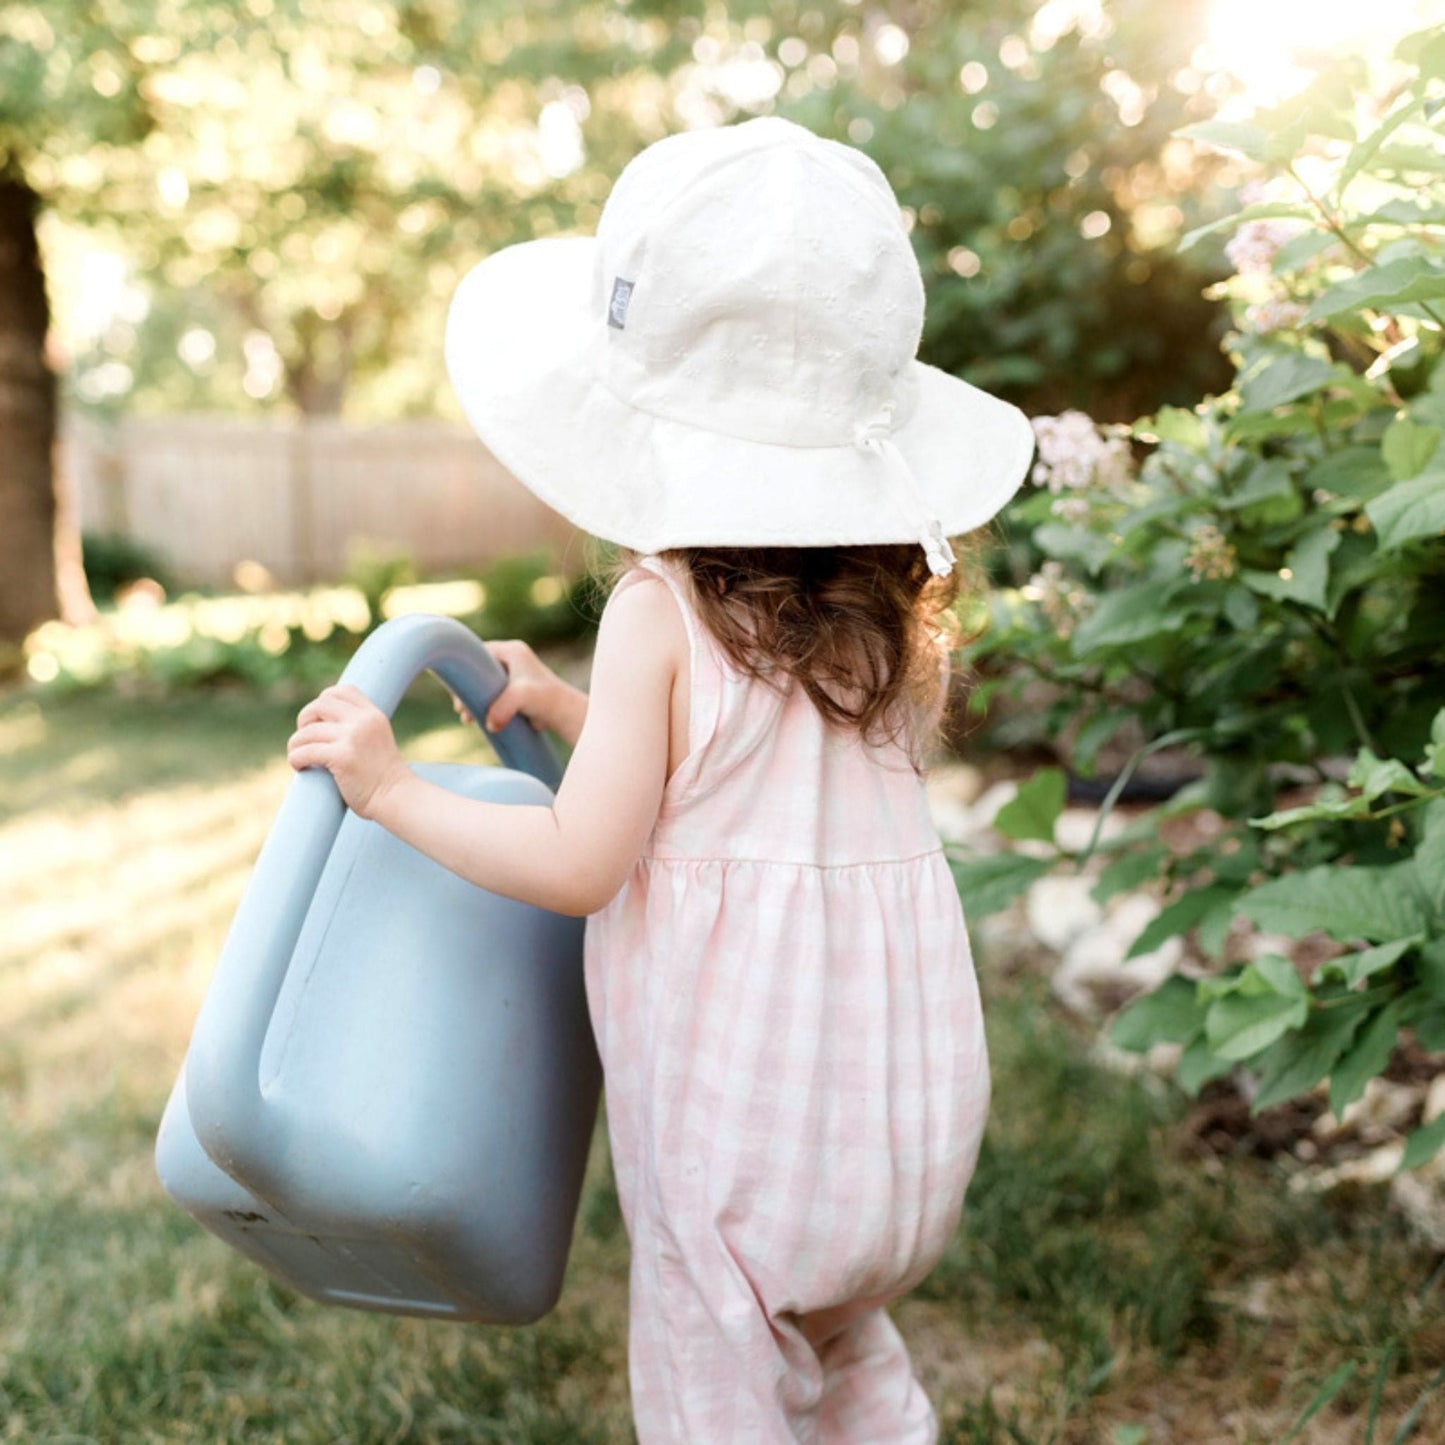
1257,41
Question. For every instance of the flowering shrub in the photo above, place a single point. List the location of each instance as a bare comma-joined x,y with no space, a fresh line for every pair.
1267,588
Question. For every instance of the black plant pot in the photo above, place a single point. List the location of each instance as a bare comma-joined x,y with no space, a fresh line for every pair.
1141,788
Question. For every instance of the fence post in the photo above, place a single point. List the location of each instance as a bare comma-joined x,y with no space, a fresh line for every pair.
301,489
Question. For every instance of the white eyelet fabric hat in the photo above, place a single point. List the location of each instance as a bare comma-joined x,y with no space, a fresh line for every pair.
731,361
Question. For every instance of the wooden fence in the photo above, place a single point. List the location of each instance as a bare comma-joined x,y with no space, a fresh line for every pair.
206,493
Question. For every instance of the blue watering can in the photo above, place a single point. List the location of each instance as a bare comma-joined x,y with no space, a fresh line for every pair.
391,1087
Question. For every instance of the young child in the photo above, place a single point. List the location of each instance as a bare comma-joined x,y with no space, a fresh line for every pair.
724,382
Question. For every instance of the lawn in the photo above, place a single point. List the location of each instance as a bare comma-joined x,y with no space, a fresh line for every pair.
1110,1283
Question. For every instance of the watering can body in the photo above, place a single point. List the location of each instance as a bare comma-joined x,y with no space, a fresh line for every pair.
392,1084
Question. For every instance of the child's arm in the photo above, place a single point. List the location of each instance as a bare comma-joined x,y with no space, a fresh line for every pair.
571,857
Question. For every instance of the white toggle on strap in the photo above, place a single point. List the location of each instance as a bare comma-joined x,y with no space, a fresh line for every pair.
875,436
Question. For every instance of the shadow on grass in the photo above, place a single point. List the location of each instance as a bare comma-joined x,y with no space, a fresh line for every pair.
1108,1285
1136,1260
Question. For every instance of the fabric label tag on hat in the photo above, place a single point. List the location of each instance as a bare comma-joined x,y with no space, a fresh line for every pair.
617,307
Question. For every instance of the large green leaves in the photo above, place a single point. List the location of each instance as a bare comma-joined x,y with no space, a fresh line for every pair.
1407,446
1278,379
1409,510
1034,809
1306,572
1172,1013
1367,1056
1301,1059
1382,288
1132,614
990,883
1348,903
1264,1003
1180,915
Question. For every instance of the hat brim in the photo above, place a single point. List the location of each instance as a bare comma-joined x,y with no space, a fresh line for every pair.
518,350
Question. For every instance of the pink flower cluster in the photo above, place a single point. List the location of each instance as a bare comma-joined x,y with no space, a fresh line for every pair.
1075,459
1253,247
1275,314
1062,600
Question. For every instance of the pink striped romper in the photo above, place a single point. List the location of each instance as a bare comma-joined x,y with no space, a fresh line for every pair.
796,1072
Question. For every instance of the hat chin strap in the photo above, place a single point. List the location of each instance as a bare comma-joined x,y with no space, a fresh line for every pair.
875,436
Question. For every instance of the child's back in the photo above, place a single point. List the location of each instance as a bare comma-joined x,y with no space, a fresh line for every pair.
796,1074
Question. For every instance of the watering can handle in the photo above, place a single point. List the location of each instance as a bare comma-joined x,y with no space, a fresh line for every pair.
223,1089
388,662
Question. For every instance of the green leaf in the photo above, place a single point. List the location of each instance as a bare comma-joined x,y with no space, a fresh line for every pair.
1411,162
1299,1062
1160,509
1428,861
1127,871
1305,574
1353,968
1171,1014
1434,762
1094,732
1230,135
1282,378
1177,917
1374,776
1423,1144
1174,423
1035,808
1407,446
1297,251
1348,903
1409,510
1130,614
1309,561
1263,211
1198,1064
1241,610
1431,55
1253,429
1366,1057
1430,967
1358,472
1362,154
1241,1024
1211,933
988,884
1278,975
1323,809
1429,1029
1267,479
1074,543
1405,211
1381,288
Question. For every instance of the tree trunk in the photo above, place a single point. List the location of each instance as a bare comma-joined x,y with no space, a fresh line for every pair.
27,422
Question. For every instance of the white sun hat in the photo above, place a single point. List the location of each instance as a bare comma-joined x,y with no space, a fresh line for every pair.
731,361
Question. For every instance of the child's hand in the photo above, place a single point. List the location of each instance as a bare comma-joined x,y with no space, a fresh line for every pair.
344,732
533,690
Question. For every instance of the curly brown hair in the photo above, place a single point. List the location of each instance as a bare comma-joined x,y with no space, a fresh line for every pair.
864,630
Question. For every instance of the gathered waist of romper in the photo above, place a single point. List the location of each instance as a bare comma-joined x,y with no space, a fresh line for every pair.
781,860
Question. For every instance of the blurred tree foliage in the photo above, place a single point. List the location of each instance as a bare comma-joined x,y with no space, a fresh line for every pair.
298,184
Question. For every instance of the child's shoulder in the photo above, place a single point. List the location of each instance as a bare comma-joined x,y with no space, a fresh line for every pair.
645,613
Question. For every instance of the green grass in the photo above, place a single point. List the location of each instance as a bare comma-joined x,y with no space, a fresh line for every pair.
1106,1280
